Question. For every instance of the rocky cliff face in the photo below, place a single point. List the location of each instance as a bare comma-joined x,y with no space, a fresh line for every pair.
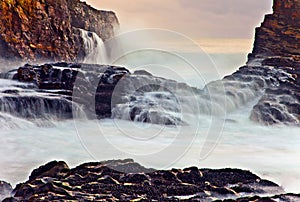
279,34
272,73
277,48
39,30
103,23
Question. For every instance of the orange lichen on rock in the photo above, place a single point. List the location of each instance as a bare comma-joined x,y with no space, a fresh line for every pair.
32,30
15,19
41,46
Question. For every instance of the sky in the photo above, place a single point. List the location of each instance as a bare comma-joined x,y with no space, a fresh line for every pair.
194,18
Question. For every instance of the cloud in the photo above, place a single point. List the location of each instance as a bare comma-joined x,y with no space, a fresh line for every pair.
194,18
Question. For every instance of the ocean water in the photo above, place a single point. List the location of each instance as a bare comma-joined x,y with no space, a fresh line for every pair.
229,140
270,152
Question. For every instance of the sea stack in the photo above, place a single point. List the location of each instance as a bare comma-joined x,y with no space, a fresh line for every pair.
279,34
277,47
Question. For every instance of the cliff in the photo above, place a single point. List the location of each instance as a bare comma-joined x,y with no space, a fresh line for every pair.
83,16
47,30
279,34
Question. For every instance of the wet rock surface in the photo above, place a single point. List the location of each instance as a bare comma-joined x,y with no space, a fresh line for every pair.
273,67
273,81
277,46
270,76
282,198
126,180
280,101
103,91
47,30
143,97
5,189
59,88
99,91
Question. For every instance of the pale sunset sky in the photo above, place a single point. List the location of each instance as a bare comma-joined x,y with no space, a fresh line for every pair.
222,20
195,18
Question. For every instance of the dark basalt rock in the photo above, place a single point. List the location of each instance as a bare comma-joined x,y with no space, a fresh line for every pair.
282,197
100,91
280,101
103,91
104,181
59,88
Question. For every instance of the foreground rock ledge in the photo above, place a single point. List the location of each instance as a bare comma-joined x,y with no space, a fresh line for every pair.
126,180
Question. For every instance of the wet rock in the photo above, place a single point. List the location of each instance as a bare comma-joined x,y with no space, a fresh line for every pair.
142,72
99,181
150,99
57,89
280,102
282,197
5,189
276,53
100,91
52,169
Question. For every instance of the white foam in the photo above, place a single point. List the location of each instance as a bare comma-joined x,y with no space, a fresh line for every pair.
271,152
94,48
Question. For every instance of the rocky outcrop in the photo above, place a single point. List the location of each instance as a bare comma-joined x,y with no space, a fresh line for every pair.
37,29
277,46
103,23
47,30
280,102
99,91
48,90
271,73
279,34
126,180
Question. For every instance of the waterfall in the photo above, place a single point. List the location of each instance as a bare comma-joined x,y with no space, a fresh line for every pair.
23,101
36,106
95,52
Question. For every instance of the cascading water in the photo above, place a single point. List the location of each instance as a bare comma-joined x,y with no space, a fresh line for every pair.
244,144
95,52
26,100
23,100
144,103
